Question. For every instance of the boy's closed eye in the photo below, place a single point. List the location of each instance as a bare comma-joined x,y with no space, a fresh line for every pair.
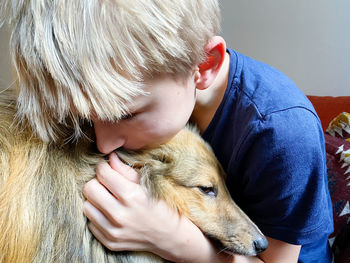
127,116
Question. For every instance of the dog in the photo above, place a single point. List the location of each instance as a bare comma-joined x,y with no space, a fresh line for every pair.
41,201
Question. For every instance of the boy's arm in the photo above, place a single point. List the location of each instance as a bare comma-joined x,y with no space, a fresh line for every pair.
124,218
279,251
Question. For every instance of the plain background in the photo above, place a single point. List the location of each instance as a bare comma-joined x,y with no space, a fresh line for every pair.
307,40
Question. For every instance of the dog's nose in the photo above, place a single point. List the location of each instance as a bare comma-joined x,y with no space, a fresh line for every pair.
260,244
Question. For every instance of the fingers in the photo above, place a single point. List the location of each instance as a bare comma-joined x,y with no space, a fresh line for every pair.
114,201
102,230
101,237
115,244
100,202
123,169
114,181
99,221
111,236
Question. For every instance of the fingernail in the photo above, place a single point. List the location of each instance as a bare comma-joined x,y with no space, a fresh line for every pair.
114,160
114,156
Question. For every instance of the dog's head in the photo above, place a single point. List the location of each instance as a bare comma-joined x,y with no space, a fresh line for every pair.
185,173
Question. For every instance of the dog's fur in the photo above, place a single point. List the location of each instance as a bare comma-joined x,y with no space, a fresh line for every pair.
41,218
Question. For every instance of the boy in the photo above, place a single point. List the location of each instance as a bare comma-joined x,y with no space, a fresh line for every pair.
140,70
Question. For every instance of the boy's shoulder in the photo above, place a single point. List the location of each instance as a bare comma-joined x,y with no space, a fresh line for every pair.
263,86
258,98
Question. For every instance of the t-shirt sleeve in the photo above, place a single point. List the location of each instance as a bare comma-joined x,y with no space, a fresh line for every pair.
284,177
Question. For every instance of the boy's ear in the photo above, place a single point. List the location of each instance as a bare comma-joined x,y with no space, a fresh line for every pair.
215,50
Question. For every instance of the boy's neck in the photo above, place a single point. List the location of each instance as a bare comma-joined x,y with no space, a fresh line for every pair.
208,100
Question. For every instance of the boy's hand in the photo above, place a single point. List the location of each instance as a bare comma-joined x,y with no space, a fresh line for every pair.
124,217
119,209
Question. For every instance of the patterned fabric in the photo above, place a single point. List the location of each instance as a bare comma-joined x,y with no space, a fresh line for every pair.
340,127
338,163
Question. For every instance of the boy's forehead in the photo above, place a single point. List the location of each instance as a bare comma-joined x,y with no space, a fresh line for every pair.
137,102
157,88
150,88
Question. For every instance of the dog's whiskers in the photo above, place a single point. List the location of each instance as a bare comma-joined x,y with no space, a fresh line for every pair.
222,250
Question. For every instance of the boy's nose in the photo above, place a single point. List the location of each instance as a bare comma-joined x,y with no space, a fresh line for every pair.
107,145
108,138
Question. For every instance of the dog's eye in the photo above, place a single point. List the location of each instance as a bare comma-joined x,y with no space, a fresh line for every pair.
208,190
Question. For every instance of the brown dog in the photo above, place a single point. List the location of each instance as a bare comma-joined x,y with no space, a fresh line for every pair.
41,218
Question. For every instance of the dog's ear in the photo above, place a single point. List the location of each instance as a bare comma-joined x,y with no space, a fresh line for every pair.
130,158
153,165
153,159
161,155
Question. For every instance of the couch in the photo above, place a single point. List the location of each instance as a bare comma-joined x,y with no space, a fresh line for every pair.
334,113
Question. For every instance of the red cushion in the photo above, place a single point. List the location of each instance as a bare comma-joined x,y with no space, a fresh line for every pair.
328,107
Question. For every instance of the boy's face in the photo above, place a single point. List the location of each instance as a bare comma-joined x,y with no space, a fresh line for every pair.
155,118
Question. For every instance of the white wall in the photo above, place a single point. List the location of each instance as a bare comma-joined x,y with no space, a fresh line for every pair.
309,40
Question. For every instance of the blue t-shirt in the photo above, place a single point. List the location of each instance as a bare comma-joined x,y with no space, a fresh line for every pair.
269,140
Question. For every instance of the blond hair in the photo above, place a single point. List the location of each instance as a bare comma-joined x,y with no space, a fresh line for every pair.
83,57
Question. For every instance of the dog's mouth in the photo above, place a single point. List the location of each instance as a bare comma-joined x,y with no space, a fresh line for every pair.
224,247
232,248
